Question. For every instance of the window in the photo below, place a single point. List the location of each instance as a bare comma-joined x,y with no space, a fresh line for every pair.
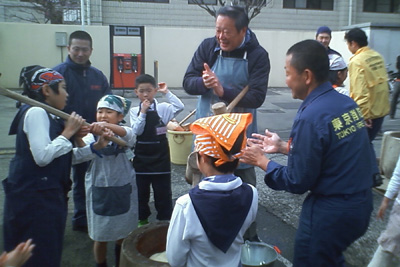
203,2
382,6
309,4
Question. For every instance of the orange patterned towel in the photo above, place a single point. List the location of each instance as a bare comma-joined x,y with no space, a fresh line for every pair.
219,131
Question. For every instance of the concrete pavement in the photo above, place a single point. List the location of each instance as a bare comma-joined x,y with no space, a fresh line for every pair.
278,211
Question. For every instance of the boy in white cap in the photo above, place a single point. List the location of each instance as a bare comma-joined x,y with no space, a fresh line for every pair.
208,224
338,73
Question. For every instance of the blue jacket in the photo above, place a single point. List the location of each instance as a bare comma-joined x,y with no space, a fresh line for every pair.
258,65
330,152
85,86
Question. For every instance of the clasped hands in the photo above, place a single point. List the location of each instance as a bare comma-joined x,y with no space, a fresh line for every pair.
99,129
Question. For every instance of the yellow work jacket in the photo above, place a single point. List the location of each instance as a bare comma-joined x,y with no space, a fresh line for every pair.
369,83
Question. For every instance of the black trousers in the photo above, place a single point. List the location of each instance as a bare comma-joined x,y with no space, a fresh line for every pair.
161,184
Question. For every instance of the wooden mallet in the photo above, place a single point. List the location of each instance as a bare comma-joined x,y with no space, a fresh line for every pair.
57,112
221,108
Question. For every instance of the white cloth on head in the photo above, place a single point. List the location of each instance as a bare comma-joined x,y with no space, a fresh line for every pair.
336,62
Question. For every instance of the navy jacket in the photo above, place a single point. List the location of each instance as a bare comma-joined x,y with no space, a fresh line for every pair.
85,86
258,65
330,152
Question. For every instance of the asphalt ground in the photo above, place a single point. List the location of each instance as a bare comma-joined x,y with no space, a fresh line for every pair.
278,214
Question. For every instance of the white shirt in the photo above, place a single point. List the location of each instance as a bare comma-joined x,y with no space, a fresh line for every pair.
166,111
393,188
36,128
188,244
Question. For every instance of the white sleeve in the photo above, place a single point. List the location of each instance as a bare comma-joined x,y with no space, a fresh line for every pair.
36,127
82,154
177,248
129,137
177,104
394,185
137,122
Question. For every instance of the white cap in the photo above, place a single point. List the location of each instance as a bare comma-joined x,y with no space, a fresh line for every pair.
336,62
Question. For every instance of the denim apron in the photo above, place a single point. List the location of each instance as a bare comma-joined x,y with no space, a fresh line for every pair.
231,73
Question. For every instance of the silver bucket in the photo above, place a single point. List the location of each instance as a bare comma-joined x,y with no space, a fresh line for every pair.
258,254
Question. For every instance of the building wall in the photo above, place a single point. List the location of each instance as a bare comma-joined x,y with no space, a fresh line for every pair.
180,14
172,47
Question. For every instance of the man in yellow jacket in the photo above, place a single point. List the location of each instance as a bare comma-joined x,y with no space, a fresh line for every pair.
368,81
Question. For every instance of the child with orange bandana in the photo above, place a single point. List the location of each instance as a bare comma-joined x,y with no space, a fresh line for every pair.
208,224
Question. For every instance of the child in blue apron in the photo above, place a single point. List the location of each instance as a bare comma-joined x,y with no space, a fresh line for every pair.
110,184
152,159
36,188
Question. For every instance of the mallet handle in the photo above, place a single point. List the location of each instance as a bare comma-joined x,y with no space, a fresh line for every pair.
236,100
187,117
57,112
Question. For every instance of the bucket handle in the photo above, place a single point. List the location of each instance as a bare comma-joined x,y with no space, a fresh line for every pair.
176,136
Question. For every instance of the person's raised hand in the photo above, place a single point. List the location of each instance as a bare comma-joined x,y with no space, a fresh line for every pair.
211,80
272,143
145,106
254,155
163,88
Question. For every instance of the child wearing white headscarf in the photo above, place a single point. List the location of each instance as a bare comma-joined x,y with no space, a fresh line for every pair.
110,182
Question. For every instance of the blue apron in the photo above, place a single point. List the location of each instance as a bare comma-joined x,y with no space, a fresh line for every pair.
232,73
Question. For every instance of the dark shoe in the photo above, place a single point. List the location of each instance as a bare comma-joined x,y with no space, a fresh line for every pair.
80,228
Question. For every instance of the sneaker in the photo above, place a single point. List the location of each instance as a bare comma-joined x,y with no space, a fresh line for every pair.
143,222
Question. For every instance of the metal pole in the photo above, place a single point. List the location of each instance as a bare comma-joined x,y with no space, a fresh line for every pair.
82,13
156,70
88,11
350,12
